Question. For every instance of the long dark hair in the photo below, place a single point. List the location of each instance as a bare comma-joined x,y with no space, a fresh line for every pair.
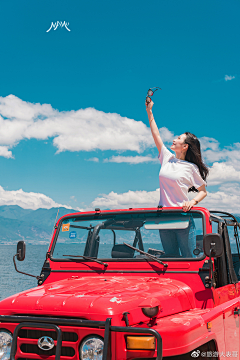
194,156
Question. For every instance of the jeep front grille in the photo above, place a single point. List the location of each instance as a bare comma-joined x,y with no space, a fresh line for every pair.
28,338
34,349
36,334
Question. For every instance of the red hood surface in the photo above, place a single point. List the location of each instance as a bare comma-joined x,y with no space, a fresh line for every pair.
99,297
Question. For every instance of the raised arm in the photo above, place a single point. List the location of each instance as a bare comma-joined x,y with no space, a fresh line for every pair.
154,129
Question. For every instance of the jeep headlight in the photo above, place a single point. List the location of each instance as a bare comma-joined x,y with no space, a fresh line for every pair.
91,348
5,344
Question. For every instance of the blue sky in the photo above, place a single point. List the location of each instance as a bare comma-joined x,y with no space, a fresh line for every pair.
95,78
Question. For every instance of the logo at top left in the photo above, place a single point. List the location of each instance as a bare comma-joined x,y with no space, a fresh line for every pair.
57,24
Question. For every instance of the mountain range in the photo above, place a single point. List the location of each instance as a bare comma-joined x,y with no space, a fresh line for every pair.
33,226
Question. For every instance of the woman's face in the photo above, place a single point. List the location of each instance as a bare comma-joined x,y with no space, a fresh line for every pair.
178,145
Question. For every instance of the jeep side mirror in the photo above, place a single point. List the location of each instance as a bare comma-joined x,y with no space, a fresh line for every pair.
20,255
213,245
21,250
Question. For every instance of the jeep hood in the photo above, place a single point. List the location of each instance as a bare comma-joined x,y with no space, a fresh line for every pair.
99,297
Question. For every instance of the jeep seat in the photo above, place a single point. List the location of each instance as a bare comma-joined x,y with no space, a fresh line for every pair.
120,251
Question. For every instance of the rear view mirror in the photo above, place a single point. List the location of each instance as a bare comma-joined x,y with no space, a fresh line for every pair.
213,245
21,250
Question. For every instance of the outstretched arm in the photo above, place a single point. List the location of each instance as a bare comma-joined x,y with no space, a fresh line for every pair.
202,193
154,129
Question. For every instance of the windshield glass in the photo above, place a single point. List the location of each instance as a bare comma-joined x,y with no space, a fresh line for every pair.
163,234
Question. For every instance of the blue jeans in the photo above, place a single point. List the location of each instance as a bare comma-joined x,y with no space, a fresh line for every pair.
175,241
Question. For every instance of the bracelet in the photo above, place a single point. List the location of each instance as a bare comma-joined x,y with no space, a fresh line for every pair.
150,120
196,202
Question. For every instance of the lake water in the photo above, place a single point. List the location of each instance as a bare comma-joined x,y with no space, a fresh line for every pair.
12,282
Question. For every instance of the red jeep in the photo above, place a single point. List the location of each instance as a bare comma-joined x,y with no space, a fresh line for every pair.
130,284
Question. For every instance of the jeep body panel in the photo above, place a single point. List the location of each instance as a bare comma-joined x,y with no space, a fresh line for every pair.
190,316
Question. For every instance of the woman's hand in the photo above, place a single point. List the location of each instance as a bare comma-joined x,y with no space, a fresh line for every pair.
187,205
149,106
202,193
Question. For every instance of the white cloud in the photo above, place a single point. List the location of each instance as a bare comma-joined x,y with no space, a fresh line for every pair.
81,130
94,159
227,198
5,152
209,143
166,135
230,154
222,173
132,159
229,77
134,199
28,200
12,107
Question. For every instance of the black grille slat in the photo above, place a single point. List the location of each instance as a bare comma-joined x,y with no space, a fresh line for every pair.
34,349
36,334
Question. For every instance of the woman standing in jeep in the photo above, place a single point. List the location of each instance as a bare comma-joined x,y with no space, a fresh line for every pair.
182,172
179,174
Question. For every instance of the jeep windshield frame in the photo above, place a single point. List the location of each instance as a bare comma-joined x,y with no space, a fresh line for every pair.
103,215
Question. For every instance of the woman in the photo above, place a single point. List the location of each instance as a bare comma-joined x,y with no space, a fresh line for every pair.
179,174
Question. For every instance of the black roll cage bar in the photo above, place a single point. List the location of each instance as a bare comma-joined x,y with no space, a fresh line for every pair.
229,220
52,323
225,219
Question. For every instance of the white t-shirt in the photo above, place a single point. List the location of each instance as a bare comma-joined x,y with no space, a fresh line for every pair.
175,178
